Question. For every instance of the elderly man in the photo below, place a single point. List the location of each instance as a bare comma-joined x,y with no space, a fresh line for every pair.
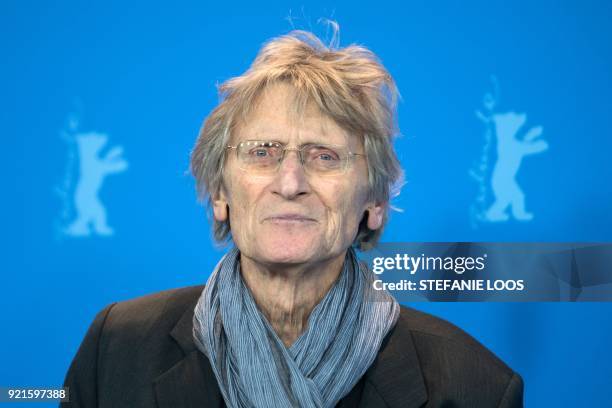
298,167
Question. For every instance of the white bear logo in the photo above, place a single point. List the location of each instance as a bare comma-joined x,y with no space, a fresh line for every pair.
90,211
510,153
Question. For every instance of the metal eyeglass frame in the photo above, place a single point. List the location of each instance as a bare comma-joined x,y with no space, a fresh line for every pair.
299,151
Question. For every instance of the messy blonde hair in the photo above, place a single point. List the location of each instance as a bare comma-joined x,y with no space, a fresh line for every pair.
349,85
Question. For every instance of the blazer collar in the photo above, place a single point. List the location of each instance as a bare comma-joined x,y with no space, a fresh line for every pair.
191,381
394,380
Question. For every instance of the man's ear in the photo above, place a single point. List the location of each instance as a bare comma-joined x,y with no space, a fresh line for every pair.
375,216
220,206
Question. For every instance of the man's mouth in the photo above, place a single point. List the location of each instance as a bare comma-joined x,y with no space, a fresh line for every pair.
289,218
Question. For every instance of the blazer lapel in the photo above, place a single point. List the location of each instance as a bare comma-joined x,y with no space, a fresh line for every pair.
395,379
191,381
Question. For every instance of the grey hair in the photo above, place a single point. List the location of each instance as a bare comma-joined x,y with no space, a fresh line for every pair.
350,85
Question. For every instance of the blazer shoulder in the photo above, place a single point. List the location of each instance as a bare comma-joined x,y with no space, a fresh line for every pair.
456,364
154,313
171,300
426,327
126,347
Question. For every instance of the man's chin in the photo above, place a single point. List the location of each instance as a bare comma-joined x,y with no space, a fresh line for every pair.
287,252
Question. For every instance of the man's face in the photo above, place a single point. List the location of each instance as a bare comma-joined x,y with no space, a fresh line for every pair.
290,216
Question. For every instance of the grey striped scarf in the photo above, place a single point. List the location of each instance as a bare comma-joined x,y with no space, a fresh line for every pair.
255,369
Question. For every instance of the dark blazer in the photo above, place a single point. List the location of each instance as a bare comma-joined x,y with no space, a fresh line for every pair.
140,353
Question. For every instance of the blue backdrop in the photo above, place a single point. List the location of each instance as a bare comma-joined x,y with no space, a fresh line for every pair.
139,78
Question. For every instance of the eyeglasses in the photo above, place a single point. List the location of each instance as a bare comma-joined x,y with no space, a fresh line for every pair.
264,157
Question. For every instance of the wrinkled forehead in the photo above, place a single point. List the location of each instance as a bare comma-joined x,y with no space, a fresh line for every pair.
283,114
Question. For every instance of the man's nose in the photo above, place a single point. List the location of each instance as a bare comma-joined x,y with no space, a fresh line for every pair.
291,180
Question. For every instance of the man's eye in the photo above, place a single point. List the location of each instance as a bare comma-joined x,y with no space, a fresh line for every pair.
324,154
260,153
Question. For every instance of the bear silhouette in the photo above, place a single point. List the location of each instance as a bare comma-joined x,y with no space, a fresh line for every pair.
90,211
510,153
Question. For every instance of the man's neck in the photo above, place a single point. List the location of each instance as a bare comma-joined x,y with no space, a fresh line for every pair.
287,295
